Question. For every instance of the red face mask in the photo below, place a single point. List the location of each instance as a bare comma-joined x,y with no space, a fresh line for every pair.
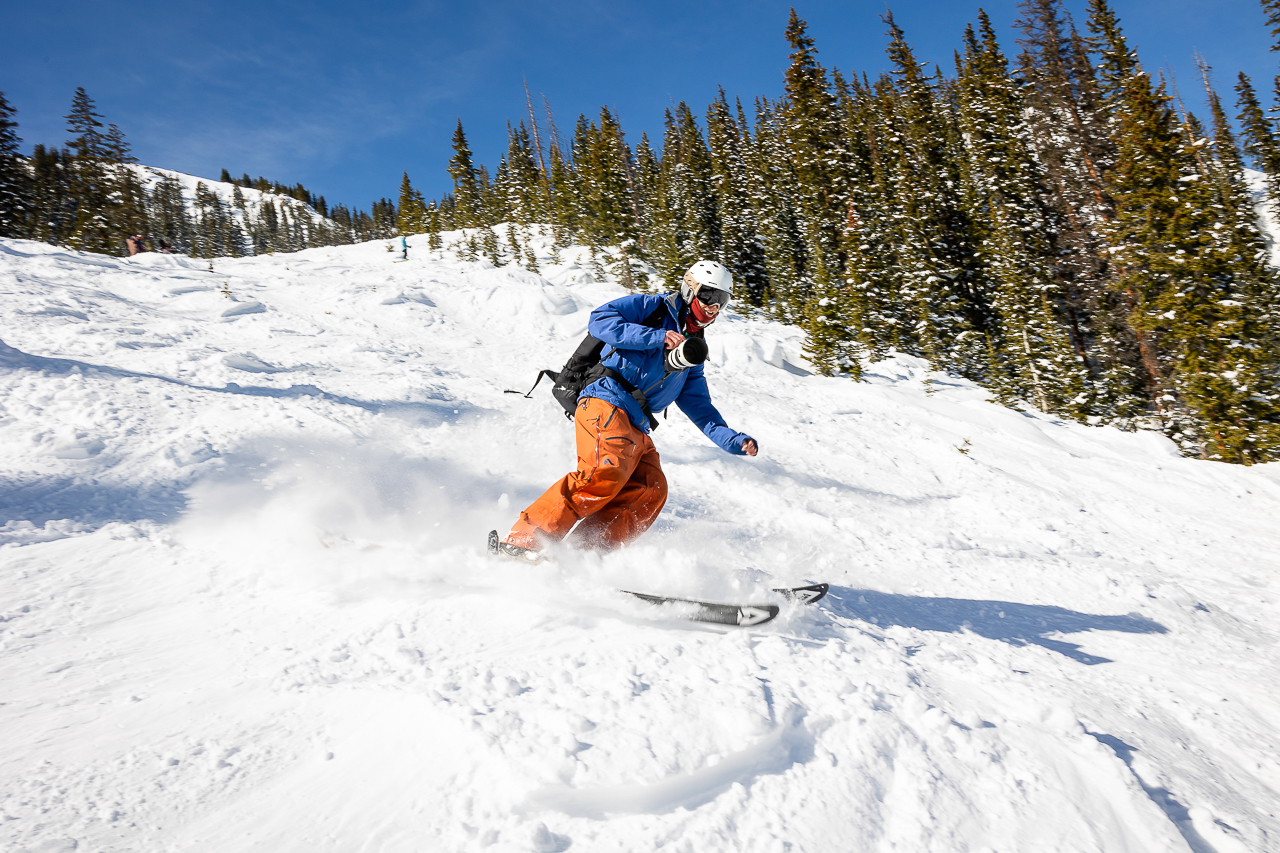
698,314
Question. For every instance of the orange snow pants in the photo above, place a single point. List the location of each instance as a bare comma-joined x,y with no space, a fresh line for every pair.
616,493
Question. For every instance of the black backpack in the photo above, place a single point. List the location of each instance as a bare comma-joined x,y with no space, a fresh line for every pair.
584,367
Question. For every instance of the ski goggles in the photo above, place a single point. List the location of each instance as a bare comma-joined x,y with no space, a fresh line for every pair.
709,296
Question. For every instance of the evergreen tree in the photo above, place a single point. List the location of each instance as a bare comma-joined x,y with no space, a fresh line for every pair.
1069,132
1272,8
53,205
772,190
383,220
90,183
1187,284
127,197
467,201
818,160
344,230
15,179
870,305
1144,182
266,227
687,183
657,230
940,279
563,196
435,223
741,247
1261,140
1008,199
1237,388
412,218
168,222
523,185
602,165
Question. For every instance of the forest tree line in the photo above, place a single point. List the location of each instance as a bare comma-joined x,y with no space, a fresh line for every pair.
1055,226
90,195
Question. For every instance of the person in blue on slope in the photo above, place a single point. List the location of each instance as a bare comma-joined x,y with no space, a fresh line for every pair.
655,345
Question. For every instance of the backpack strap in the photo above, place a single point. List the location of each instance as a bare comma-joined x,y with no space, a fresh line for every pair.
555,377
636,393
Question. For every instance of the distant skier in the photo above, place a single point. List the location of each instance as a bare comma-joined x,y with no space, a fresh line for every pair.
654,343
404,248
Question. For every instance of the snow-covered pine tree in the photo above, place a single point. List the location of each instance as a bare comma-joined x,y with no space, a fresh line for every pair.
1143,183
603,163
687,187
127,197
562,195
1008,201
816,154
1234,199
343,226
203,246
15,178
53,208
167,219
467,200
1182,273
1260,137
523,186
412,217
435,224
89,180
740,244
869,305
1235,381
266,227
382,220
656,226
1071,138
380,223
524,193
235,243
940,278
772,188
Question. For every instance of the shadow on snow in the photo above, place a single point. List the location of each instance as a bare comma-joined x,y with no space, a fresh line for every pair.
432,413
1006,621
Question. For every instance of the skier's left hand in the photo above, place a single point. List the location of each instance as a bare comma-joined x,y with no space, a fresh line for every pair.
749,447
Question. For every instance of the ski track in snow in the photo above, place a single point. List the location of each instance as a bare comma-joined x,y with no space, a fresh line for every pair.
244,604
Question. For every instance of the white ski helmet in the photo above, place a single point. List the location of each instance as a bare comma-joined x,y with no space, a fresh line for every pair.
708,274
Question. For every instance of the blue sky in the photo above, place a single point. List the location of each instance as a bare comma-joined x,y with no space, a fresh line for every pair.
344,97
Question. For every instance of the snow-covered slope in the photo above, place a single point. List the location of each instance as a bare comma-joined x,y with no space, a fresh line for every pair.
150,176
244,604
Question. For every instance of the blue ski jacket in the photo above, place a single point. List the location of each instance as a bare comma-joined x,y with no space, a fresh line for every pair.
636,351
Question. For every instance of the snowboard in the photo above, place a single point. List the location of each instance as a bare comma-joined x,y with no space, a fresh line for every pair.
741,615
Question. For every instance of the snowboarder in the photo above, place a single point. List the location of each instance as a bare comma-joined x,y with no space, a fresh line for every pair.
618,488
404,248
